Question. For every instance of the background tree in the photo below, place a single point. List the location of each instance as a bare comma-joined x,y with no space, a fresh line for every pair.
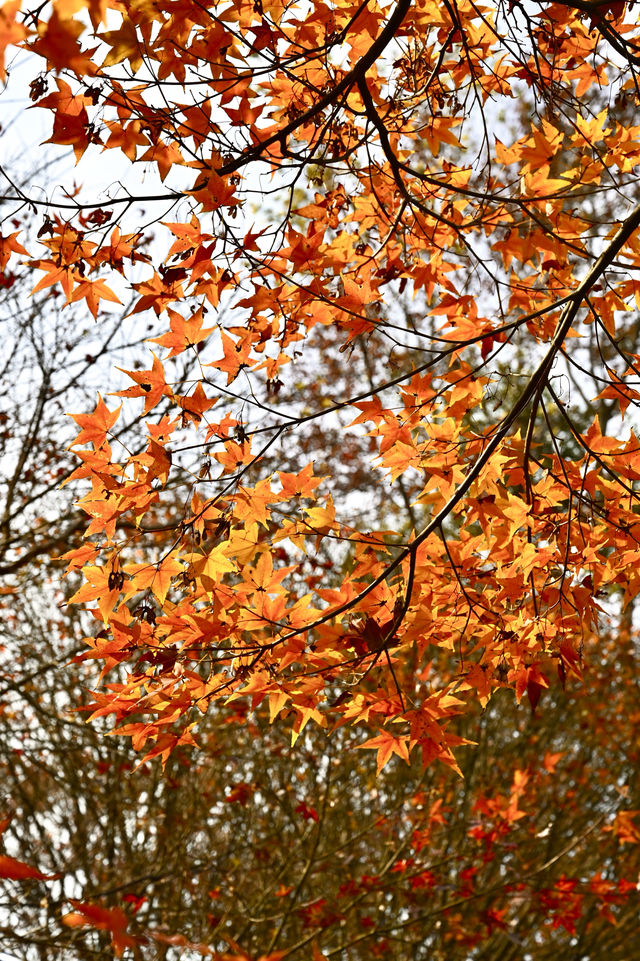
535,851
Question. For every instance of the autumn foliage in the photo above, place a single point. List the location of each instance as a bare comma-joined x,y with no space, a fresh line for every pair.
386,464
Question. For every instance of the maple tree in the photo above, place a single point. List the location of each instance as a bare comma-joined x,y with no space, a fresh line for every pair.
355,235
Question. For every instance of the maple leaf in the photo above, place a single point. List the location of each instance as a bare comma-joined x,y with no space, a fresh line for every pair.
93,291
100,587
301,484
58,43
151,385
625,828
164,155
112,920
210,567
125,137
156,577
184,333
277,701
387,745
517,513
213,191
55,274
79,556
195,405
158,293
124,44
9,245
234,359
11,32
14,870
253,504
95,426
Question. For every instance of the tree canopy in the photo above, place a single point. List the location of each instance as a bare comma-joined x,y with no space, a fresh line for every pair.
360,470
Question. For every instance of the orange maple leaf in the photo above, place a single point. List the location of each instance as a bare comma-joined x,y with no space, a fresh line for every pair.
11,32
95,426
9,245
184,333
113,920
93,291
151,385
58,44
387,745
124,44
